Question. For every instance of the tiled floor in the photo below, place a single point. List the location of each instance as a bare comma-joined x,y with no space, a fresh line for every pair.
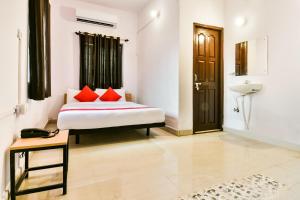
130,166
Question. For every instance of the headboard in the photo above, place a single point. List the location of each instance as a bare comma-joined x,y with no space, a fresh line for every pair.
128,97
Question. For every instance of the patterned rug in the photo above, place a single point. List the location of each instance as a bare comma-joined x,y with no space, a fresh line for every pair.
255,187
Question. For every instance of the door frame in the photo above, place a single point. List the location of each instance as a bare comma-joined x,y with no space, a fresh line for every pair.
221,30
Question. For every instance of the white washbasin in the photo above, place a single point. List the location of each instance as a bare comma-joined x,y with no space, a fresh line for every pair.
246,88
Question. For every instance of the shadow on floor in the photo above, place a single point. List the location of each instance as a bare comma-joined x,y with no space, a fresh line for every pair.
111,137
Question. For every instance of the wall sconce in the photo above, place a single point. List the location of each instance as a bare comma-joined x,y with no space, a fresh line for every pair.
240,21
154,13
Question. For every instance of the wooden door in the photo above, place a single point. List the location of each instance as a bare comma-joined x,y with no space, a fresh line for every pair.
207,74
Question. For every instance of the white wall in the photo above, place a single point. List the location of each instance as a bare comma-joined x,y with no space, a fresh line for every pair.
209,12
13,16
158,58
165,72
65,46
275,111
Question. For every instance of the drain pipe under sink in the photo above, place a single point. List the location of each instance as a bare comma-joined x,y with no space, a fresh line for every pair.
246,118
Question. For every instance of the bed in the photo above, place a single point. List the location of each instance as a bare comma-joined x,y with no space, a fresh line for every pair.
94,117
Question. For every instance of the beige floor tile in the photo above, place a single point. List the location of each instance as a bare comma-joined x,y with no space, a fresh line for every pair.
130,166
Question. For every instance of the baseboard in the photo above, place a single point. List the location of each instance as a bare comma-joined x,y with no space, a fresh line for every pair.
170,130
257,137
185,132
178,132
52,121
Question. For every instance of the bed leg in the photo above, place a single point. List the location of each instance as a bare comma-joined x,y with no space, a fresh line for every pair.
148,131
77,138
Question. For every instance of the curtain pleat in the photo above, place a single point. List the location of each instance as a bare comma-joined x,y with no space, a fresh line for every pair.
119,68
100,61
39,67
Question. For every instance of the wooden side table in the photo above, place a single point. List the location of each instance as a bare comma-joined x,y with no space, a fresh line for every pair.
60,141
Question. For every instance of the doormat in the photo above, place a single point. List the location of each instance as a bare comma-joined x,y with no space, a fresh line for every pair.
255,187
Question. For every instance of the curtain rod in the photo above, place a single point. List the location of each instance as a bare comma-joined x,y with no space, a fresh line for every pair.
78,33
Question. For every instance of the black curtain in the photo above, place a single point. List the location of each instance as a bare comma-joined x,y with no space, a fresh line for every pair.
39,83
100,61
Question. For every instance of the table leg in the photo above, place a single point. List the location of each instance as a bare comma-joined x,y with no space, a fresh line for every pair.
77,138
12,176
26,162
67,156
65,168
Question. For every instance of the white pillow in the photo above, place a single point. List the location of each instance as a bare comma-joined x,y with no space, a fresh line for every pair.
71,93
121,92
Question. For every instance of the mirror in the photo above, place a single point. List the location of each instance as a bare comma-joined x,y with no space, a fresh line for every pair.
251,57
241,61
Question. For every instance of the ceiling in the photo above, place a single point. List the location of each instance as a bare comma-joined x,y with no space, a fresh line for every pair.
132,5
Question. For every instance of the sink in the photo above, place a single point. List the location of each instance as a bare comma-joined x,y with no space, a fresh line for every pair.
246,88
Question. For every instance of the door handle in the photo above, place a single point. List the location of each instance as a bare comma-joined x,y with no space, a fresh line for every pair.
196,77
197,85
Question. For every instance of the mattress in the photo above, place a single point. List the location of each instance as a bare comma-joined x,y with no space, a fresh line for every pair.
94,115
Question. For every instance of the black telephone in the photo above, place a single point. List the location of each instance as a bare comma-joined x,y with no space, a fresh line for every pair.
35,132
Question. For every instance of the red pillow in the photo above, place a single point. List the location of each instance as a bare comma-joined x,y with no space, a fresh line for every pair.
86,95
110,95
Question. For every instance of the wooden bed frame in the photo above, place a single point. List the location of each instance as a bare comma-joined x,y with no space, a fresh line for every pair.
128,96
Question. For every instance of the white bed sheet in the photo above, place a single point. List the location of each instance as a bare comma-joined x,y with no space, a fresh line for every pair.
93,115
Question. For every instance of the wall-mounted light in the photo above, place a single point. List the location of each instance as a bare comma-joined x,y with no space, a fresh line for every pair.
240,21
154,13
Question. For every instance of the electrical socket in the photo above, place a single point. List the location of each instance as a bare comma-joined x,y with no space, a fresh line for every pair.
21,109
